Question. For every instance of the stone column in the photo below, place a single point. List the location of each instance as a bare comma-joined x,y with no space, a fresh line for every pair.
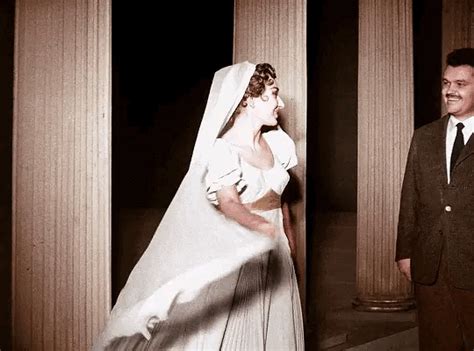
61,173
458,25
385,127
457,28
274,31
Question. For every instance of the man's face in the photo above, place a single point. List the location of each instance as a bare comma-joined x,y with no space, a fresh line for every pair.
458,91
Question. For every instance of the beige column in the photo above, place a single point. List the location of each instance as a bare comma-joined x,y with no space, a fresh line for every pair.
458,25
385,127
61,173
457,28
274,31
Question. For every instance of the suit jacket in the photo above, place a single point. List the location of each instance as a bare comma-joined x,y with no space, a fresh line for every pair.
436,217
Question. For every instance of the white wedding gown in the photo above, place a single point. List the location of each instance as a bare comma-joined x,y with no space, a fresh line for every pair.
256,307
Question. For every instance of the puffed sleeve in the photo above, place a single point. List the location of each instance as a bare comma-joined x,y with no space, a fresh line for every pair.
283,147
223,169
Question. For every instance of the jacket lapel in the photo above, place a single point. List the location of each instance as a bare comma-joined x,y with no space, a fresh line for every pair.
466,151
439,144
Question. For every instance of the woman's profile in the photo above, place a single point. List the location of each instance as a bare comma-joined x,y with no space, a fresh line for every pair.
218,273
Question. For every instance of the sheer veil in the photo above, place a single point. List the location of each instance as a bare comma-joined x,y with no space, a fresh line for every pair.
194,245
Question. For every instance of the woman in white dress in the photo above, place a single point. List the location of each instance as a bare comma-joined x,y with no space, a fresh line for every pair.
218,273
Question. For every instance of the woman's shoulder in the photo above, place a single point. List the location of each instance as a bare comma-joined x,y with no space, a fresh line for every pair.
283,146
277,135
223,169
222,153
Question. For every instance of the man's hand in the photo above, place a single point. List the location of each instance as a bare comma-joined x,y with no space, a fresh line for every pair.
404,267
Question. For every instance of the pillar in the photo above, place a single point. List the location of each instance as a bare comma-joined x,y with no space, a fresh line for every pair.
385,127
61,173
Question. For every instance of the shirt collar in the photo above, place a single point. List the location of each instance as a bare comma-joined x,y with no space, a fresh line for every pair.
468,123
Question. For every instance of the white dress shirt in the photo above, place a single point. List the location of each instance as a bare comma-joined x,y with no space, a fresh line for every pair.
451,135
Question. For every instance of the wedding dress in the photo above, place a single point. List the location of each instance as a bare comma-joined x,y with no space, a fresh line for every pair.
206,282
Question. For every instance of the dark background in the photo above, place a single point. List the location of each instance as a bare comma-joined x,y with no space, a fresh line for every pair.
163,60
332,95
7,8
161,79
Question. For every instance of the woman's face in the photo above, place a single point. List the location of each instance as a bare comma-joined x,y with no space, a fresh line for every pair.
266,106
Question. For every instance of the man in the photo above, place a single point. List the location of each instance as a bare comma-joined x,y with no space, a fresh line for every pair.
435,243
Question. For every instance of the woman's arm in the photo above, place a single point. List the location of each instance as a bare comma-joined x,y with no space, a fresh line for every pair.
231,206
288,227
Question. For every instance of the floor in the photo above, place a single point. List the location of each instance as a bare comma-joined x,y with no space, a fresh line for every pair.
332,324
5,277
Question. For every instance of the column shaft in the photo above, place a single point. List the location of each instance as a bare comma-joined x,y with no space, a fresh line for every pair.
385,127
457,28
61,173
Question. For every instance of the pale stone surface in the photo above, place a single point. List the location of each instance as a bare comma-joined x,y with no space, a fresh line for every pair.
61,174
385,115
457,28
406,340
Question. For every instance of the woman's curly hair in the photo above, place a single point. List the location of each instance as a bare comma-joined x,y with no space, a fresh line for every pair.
264,75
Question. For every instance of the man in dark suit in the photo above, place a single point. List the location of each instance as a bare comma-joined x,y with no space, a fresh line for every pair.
435,242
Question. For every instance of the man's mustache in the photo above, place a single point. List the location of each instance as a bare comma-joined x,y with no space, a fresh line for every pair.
452,96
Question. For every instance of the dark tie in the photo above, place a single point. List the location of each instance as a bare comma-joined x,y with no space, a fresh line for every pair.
458,145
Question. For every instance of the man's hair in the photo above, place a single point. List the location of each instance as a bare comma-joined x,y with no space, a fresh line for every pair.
459,57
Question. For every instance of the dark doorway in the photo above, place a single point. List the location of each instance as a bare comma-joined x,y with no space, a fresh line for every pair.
332,163
332,158
7,23
428,63
163,60
332,105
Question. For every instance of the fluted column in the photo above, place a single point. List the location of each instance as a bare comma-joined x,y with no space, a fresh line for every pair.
385,127
458,25
472,25
274,31
61,173
457,28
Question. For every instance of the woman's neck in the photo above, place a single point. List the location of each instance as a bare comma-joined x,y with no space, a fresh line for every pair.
244,132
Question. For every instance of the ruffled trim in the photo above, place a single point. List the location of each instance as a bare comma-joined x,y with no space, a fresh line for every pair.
283,147
223,170
212,190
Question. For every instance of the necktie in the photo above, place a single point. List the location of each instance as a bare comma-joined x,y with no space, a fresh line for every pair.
458,145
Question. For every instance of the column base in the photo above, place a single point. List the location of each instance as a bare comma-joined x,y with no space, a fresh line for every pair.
381,305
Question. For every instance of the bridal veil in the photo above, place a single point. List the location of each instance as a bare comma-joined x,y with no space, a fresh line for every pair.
194,245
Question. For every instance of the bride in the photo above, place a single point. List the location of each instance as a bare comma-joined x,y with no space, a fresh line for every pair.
218,273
